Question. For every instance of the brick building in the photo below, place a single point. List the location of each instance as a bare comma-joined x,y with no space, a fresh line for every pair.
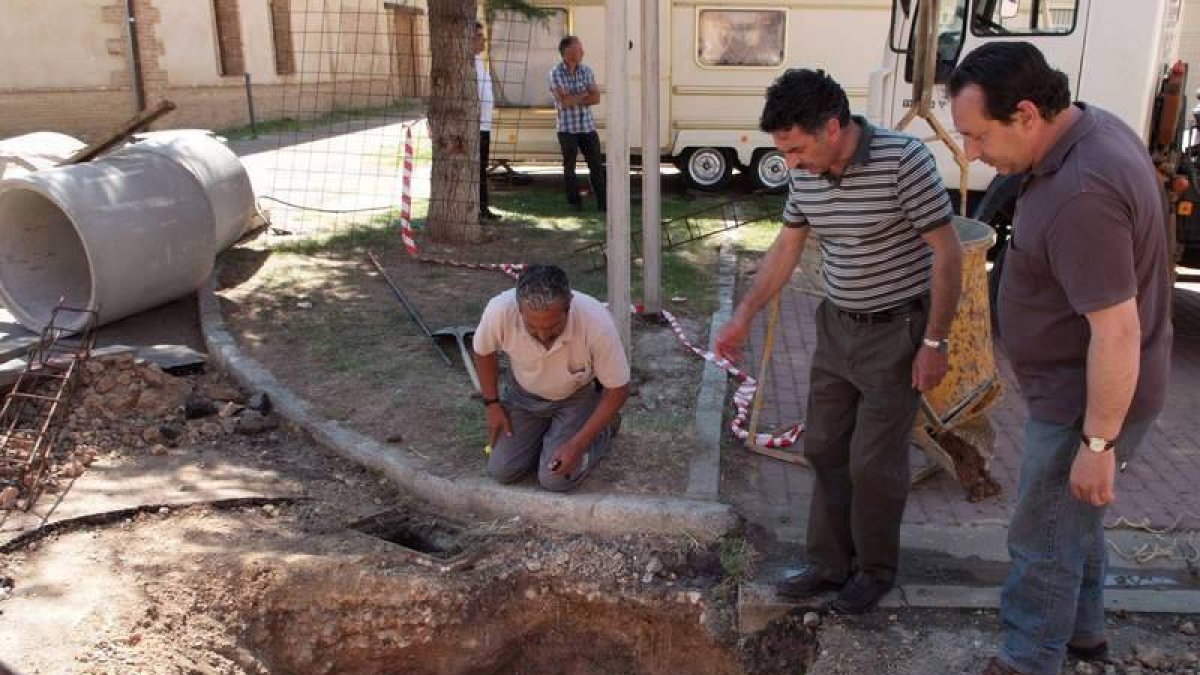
83,66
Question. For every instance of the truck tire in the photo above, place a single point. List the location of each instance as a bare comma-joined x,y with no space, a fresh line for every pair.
708,169
769,171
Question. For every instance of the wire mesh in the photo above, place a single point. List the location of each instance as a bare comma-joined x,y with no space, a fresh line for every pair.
362,73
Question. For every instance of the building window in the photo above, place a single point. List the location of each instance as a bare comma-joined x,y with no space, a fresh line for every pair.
521,53
281,33
229,37
1024,17
742,37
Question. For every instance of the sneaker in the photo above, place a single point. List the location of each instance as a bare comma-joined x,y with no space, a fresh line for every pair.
861,594
812,581
488,214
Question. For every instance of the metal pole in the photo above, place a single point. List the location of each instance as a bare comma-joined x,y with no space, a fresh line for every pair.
250,106
135,59
617,81
651,178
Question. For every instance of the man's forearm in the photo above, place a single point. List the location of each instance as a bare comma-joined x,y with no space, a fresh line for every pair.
1114,359
488,369
611,402
946,290
774,271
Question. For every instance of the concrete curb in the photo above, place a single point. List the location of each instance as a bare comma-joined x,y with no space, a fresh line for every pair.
704,470
579,512
758,605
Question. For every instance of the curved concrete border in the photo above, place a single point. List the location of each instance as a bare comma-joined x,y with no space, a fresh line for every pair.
576,512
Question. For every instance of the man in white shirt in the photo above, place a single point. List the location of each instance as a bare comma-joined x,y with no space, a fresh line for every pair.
487,102
569,378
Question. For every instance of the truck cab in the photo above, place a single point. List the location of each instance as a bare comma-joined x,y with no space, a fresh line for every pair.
1116,54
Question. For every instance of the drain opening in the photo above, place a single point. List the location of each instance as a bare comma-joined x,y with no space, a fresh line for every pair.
416,531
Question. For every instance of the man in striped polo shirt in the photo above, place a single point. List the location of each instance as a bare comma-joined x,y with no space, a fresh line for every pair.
892,268
575,92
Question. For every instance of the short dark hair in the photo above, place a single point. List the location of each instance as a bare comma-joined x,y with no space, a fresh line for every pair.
1011,72
540,286
804,98
566,42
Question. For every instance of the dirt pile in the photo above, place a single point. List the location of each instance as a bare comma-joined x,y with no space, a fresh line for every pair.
125,406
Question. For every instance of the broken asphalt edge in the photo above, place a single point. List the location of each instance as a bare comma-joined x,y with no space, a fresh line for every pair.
573,512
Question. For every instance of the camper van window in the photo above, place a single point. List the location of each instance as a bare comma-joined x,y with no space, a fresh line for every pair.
521,52
1024,17
742,37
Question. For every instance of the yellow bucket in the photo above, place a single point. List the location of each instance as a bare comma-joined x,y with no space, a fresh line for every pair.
972,384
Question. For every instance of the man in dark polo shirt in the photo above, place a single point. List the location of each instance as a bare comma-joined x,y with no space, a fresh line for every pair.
1084,317
892,269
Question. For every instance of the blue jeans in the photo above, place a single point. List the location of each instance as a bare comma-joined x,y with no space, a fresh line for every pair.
1054,593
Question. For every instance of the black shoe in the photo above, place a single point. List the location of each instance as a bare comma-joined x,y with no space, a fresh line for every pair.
488,214
812,581
1094,653
860,595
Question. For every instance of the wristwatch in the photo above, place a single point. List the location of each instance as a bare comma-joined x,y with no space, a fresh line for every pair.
1097,444
942,345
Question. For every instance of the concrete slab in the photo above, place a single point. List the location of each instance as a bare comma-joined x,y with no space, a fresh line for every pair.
171,480
169,357
15,339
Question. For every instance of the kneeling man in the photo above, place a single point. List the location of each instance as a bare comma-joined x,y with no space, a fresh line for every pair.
569,378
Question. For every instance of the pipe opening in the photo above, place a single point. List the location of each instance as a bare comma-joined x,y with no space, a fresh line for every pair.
42,258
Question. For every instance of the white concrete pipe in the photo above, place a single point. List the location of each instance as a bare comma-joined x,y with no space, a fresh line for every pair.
38,151
218,169
119,235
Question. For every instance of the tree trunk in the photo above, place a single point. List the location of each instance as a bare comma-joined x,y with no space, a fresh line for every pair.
453,123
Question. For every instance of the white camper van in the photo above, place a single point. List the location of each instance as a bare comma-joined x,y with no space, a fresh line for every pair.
717,56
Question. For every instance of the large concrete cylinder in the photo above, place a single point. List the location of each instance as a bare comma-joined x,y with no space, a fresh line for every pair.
119,235
38,151
218,169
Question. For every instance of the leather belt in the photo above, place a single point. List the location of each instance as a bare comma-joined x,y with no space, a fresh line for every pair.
885,315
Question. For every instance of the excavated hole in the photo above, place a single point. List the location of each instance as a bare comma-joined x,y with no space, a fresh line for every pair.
493,616
503,629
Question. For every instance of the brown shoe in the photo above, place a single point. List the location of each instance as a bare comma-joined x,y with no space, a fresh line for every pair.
997,667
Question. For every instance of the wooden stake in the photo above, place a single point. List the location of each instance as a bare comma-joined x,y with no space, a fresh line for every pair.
768,346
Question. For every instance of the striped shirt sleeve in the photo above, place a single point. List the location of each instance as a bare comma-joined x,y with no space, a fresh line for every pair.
793,216
923,196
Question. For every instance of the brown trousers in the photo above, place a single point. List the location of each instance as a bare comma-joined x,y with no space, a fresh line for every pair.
861,410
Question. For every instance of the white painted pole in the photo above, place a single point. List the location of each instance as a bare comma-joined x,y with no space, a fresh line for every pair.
651,178
617,150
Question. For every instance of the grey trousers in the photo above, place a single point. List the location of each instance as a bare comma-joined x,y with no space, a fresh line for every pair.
539,427
861,410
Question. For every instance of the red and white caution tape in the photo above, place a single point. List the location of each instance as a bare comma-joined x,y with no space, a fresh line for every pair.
743,397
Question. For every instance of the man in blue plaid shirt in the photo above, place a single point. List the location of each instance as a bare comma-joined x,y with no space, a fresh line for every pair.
574,87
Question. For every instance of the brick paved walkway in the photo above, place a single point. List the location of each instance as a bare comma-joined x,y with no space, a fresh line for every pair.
1160,485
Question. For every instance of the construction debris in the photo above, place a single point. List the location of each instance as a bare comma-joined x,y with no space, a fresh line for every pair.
36,406
126,405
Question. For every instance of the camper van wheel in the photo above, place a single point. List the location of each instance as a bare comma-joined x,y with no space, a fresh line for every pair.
707,169
769,170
